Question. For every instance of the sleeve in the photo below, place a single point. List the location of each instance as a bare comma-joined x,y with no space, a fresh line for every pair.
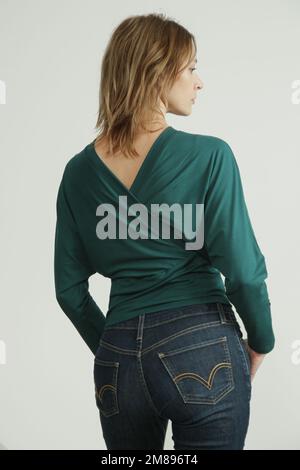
233,249
71,273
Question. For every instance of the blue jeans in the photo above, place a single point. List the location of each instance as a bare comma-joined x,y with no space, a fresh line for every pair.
189,365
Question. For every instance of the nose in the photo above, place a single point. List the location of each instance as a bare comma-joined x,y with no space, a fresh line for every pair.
200,84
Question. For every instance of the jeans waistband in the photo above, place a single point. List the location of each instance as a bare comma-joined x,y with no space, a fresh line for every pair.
152,319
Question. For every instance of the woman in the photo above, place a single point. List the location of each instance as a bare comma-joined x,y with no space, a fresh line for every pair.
170,346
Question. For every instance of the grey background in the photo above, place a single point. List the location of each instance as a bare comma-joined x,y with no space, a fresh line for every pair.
50,52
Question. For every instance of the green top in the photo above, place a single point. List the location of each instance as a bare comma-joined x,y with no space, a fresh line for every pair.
151,272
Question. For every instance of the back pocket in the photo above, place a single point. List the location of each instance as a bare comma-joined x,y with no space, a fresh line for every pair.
201,372
106,386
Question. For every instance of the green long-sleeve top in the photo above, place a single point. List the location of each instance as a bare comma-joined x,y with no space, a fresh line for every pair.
101,227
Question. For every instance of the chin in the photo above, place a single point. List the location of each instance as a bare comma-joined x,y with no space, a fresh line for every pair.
186,113
182,112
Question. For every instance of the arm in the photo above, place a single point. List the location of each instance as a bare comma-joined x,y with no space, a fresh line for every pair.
71,273
232,248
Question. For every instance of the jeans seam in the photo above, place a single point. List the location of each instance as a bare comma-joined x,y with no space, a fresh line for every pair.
158,323
163,341
239,340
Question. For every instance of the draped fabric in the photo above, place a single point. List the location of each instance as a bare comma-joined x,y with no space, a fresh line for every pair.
103,227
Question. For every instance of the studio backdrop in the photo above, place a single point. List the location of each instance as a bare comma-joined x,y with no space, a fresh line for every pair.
50,56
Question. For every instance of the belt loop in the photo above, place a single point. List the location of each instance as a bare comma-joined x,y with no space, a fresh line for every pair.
221,312
139,337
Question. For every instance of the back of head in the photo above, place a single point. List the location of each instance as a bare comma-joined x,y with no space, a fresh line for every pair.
141,62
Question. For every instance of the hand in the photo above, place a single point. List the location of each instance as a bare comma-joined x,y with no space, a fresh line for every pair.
255,359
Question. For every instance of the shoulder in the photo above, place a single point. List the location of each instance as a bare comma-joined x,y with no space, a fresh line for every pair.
210,147
204,141
76,162
75,167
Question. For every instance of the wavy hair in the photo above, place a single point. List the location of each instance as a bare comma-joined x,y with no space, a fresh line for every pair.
141,62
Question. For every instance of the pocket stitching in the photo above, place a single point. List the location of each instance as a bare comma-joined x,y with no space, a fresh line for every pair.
112,387
207,383
191,398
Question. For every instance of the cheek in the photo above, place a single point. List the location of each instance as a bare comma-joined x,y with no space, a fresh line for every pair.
187,81
183,87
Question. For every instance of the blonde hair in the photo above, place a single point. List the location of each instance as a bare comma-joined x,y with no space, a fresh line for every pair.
140,64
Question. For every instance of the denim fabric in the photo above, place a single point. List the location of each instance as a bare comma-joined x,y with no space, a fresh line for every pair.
189,365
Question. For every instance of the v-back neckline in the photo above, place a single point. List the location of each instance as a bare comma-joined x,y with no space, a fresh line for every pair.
155,145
